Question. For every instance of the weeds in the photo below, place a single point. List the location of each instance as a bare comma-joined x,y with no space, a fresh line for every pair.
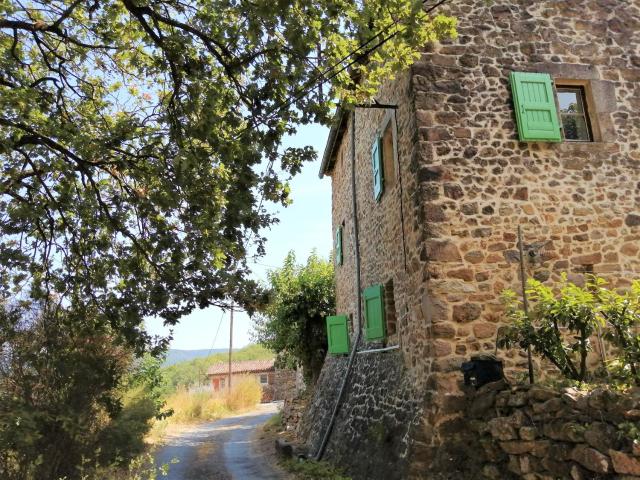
274,424
191,407
312,470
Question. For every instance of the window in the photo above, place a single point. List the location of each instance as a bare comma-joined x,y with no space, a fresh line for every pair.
264,379
338,246
222,383
573,114
383,158
388,155
390,308
548,114
378,172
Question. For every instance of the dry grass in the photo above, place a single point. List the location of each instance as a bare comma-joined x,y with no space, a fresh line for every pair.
192,407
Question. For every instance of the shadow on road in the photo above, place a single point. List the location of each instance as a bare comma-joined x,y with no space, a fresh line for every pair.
220,450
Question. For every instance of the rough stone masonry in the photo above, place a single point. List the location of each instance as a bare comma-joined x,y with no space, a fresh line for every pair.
442,239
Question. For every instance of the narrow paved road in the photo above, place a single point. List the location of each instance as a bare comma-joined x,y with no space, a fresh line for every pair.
221,450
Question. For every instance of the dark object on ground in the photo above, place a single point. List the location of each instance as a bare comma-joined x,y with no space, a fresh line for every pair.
284,448
482,369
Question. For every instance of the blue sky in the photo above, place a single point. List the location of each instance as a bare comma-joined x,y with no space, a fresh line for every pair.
304,225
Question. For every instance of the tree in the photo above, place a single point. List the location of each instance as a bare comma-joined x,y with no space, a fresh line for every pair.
68,395
293,322
133,132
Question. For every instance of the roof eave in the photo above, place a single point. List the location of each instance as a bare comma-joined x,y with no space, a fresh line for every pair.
335,134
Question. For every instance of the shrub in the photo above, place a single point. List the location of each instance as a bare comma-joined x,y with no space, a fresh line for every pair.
313,470
245,393
61,395
560,325
621,313
142,467
292,323
189,407
123,437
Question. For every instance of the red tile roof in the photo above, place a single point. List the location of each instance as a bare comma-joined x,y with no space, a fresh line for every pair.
248,366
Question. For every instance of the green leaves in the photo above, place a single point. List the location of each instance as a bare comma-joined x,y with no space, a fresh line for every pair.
133,136
563,322
292,323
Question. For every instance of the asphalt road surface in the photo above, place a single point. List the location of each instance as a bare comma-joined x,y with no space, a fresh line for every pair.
221,450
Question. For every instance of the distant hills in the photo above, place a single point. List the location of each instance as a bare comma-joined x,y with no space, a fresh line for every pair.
176,356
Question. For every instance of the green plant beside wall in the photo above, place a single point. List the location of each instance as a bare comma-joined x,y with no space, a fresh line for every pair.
564,319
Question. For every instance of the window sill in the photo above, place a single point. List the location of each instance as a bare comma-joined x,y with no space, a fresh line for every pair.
586,147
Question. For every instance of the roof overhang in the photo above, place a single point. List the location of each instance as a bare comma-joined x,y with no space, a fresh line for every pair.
338,127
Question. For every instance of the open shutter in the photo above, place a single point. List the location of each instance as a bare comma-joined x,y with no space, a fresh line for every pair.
338,334
376,163
338,247
374,312
535,106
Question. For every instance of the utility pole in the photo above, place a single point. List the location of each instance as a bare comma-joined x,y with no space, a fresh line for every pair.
230,344
525,303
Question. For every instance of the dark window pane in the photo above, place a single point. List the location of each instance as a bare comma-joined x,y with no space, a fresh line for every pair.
575,127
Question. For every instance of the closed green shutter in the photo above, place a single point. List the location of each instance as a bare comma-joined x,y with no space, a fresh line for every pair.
338,334
535,106
339,246
374,312
376,163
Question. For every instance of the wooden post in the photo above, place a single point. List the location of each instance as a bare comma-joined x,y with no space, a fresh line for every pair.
230,345
525,303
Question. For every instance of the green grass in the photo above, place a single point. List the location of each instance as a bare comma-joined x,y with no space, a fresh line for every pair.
312,470
274,424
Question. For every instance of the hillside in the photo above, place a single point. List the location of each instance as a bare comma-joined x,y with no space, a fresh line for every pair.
176,356
194,371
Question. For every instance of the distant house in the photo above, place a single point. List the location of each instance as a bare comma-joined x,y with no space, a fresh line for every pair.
273,382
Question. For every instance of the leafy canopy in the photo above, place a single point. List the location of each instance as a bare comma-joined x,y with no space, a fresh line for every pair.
133,131
293,322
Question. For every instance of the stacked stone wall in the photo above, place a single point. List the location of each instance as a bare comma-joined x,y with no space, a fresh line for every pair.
537,433
373,431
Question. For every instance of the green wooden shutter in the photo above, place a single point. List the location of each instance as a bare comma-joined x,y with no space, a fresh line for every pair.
338,334
376,163
374,312
535,106
339,245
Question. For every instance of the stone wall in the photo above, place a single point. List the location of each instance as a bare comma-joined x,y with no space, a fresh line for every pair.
578,203
372,433
544,434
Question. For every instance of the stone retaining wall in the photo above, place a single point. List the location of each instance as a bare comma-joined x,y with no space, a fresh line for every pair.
536,433
373,430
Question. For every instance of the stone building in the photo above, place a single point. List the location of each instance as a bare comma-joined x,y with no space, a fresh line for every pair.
275,383
469,148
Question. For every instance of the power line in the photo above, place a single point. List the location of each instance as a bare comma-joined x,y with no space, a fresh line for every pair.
301,91
215,337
